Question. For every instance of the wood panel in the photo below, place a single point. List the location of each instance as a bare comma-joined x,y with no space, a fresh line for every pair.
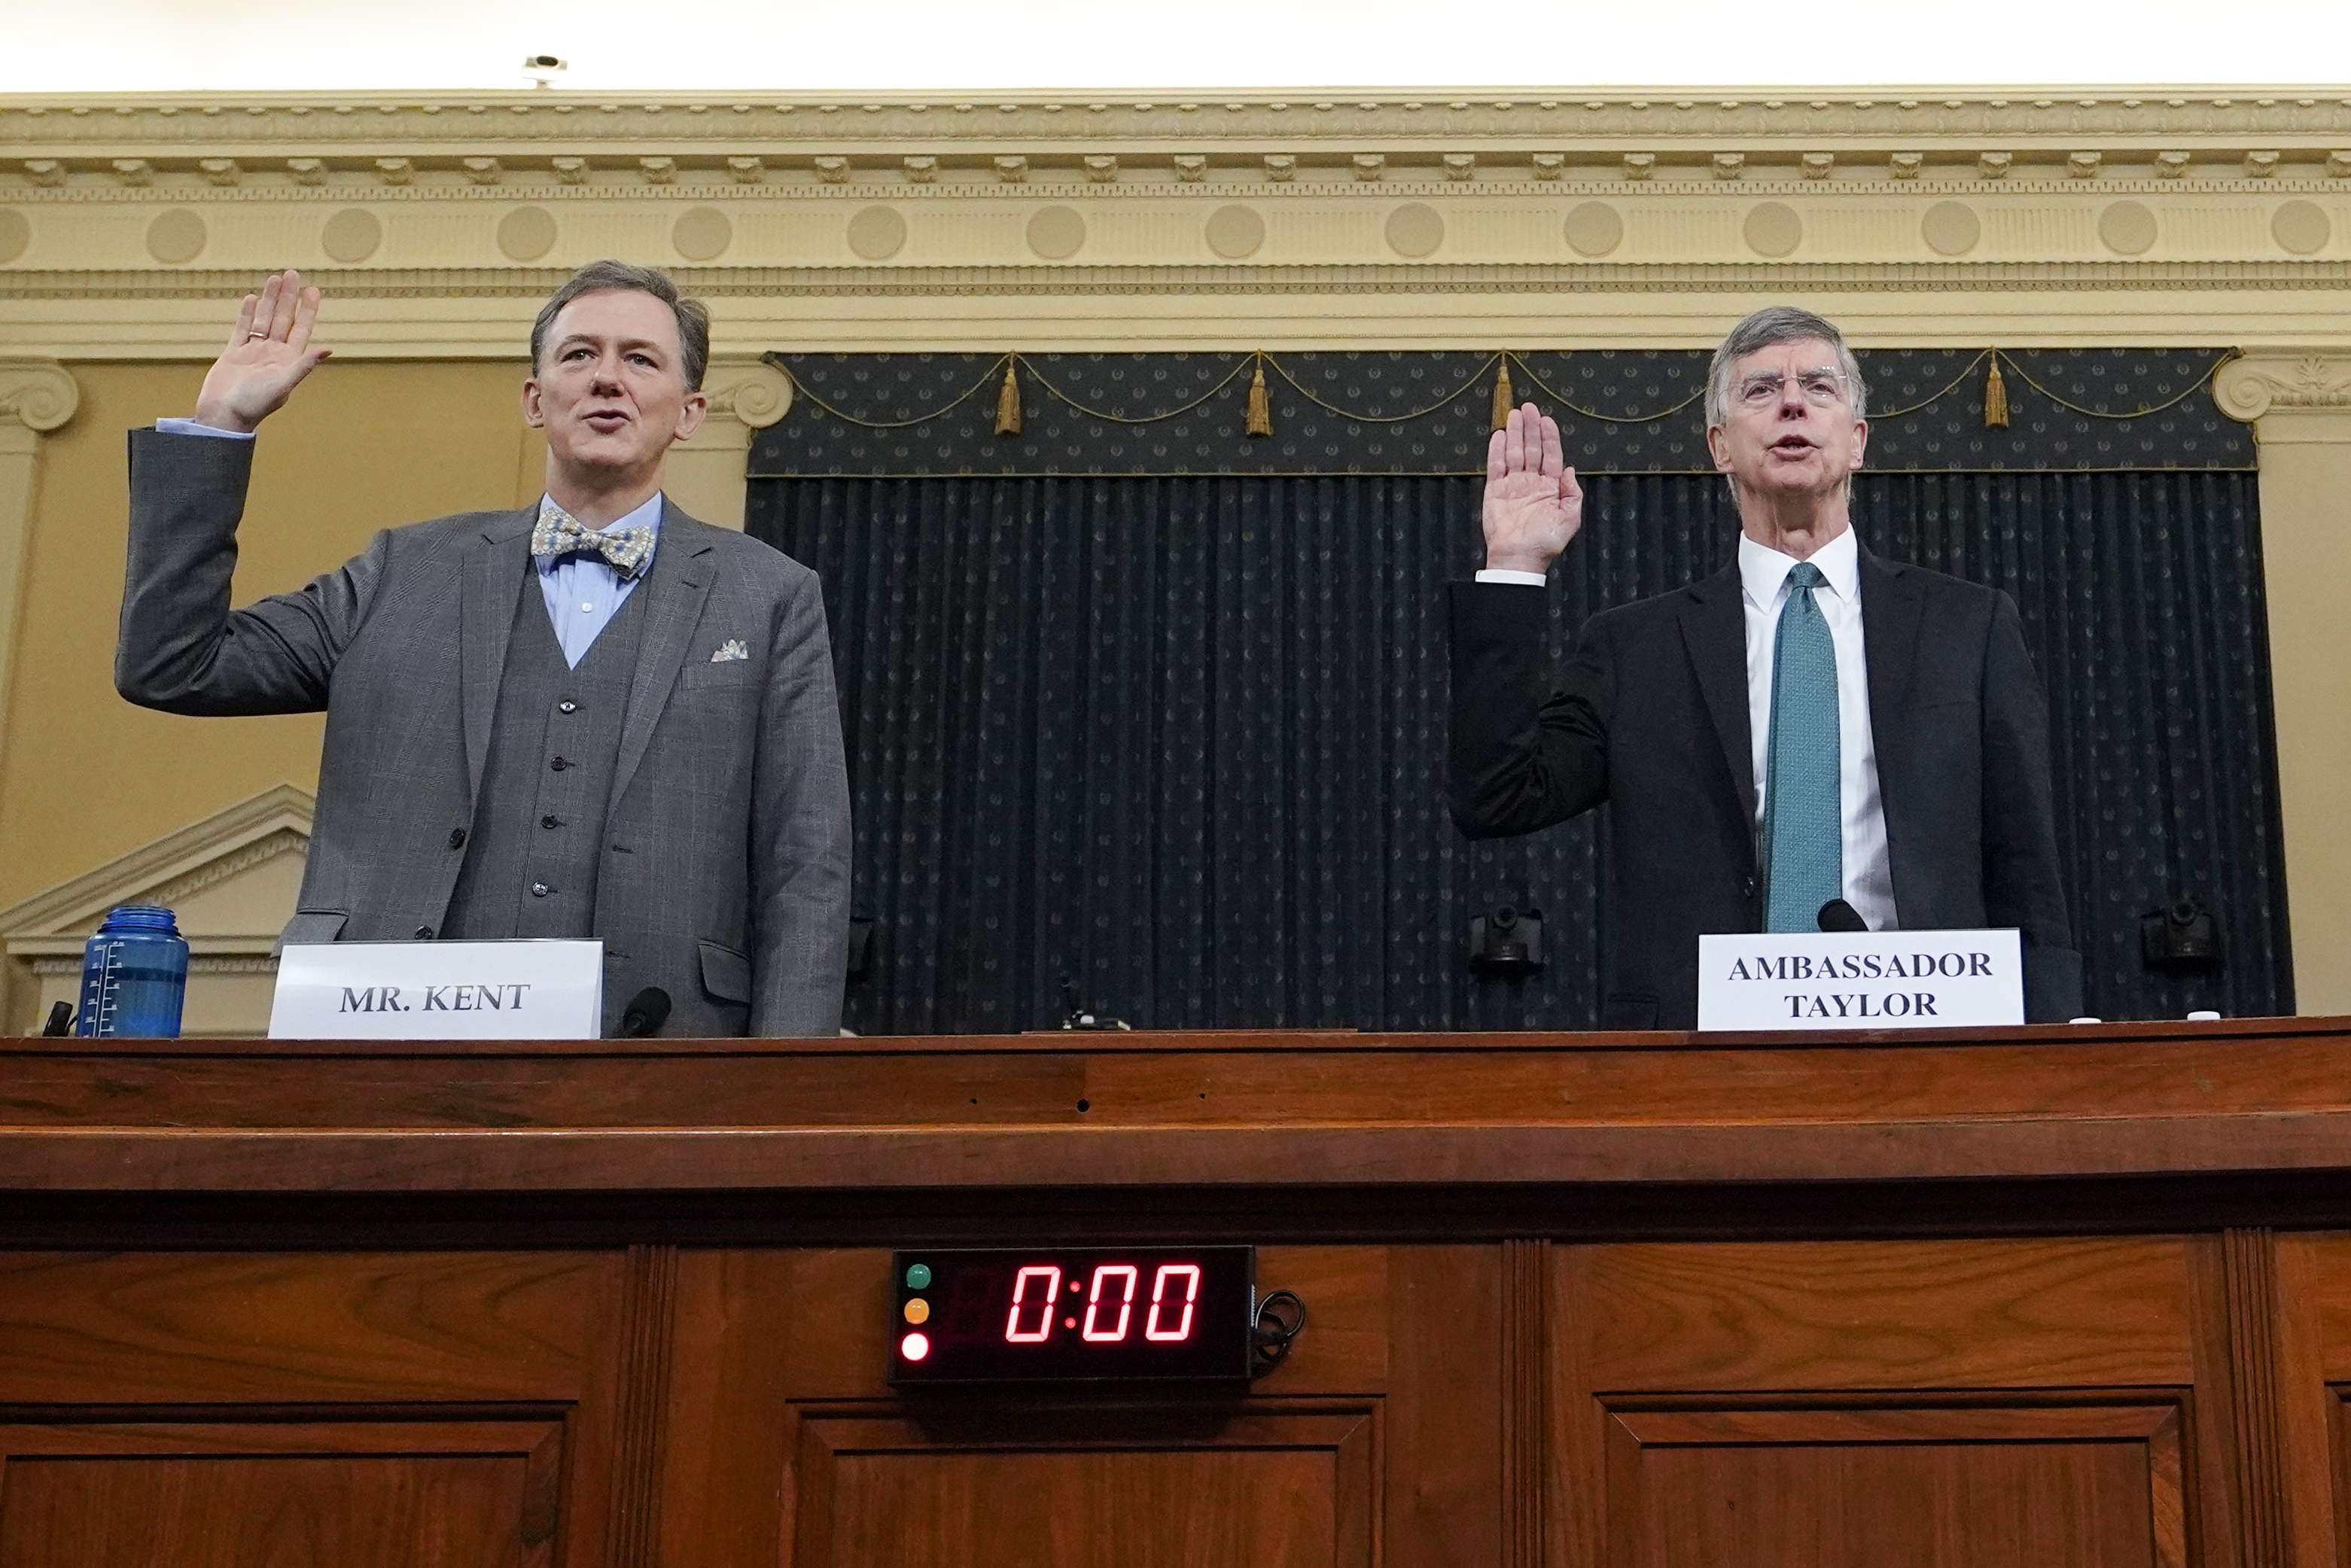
2314,1382
1938,1488
268,1328
1083,1489
387,1494
1384,1425
423,1391
1937,1403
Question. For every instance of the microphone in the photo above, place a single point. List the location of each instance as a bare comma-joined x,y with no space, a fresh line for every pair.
646,1011
1837,914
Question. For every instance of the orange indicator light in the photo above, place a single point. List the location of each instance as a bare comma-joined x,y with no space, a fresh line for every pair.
918,1311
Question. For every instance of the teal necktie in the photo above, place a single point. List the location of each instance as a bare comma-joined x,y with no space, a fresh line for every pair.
1803,809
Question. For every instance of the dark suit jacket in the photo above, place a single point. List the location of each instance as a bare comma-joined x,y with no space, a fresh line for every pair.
1652,718
725,876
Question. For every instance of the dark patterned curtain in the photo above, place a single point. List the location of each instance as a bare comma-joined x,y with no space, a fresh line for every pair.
1182,739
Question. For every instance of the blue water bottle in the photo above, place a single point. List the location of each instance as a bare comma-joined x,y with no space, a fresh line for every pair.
134,974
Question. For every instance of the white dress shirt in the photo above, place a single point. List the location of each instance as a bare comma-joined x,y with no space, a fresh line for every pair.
582,591
1763,584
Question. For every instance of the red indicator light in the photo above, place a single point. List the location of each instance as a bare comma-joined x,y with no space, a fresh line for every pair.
914,1346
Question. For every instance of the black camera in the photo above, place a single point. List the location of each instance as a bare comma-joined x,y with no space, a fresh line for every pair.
1506,940
2182,934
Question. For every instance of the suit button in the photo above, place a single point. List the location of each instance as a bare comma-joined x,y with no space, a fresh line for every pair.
550,821
559,765
456,837
567,707
539,890
424,934
1748,887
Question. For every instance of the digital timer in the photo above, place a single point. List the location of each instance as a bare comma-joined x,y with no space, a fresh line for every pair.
991,1315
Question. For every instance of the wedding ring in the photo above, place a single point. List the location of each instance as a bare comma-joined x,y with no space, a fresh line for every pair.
257,332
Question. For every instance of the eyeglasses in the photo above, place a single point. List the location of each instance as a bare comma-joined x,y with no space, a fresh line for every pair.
1821,387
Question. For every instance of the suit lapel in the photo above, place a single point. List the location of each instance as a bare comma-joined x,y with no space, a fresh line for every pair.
674,594
1889,637
493,567
1890,622
1714,629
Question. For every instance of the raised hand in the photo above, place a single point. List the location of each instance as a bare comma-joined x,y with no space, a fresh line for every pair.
1533,505
267,357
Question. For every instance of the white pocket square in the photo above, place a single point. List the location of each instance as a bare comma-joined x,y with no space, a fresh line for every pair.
730,649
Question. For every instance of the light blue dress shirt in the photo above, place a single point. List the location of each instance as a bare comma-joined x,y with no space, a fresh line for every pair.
582,591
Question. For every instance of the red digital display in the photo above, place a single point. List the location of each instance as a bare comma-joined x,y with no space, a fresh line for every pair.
996,1315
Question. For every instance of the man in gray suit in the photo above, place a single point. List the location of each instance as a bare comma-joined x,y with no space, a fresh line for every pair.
594,716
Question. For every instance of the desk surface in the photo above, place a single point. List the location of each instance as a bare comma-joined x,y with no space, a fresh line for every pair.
1223,1110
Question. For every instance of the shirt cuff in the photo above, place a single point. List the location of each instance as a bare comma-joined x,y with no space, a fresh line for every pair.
190,428
1504,574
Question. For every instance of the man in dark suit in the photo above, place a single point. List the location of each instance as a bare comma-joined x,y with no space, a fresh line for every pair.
1813,723
594,716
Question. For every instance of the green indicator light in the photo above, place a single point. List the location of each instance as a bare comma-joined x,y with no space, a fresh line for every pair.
918,1276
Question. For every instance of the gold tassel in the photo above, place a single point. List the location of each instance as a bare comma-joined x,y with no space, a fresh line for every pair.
1008,403
1260,407
1995,397
1502,403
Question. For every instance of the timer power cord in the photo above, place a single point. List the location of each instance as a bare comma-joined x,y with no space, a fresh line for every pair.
1280,1318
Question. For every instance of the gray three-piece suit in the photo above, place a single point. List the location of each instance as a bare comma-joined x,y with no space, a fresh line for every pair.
680,794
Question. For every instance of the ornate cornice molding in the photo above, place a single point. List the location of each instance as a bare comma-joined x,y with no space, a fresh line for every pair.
892,217
40,394
2264,380
493,140
1309,113
604,187
772,282
261,828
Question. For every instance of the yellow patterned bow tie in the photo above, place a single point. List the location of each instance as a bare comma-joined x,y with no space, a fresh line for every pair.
559,534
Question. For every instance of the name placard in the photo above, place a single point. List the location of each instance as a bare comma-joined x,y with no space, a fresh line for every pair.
528,989
1860,980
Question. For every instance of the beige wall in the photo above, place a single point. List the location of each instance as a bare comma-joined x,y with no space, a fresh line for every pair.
2306,549
2300,403
84,776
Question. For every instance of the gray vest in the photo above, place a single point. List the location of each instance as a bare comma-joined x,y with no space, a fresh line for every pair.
538,827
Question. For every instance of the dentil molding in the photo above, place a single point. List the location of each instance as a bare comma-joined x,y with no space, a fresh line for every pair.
40,394
235,143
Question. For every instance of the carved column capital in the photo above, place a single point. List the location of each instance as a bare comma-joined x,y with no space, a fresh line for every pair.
705,473
2267,380
40,394
751,392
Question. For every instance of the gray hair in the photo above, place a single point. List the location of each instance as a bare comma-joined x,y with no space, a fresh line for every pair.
1768,328
693,316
